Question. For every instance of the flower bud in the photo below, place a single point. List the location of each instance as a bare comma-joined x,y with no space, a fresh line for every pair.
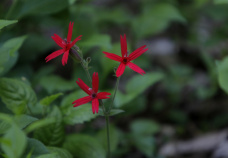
75,55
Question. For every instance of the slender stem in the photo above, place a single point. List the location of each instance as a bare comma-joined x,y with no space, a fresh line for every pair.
113,98
87,71
108,139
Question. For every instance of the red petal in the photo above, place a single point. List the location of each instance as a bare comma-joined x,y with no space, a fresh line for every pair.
137,53
65,57
113,56
58,40
54,54
95,82
136,68
83,86
81,101
70,30
123,42
75,40
120,69
95,105
103,95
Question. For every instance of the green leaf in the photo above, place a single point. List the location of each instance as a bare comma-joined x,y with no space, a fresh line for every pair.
220,1
133,88
53,83
4,23
16,94
53,134
60,153
144,127
49,99
35,148
114,138
84,146
103,41
155,19
112,112
24,120
9,53
73,115
37,7
222,67
17,144
54,155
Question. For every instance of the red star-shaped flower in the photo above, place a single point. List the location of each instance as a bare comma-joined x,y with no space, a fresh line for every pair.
125,60
65,44
92,92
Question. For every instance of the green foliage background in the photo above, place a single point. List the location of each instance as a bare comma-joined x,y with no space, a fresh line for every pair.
185,85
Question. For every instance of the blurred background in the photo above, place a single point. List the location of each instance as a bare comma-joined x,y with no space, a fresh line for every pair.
178,109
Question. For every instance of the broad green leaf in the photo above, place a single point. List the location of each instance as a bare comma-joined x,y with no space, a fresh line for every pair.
39,124
155,19
73,115
53,134
37,7
84,146
144,127
71,2
16,94
103,41
113,112
24,120
4,23
53,155
60,153
17,144
49,99
35,148
9,53
53,83
114,138
222,67
220,1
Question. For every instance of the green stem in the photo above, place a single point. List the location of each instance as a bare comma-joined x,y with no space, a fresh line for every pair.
87,71
113,98
108,139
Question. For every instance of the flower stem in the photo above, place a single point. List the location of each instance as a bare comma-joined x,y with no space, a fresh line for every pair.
86,70
108,139
113,98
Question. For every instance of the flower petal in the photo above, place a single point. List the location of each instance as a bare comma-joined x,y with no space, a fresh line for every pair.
83,86
95,105
81,101
95,82
75,40
70,30
103,95
65,57
136,68
113,56
123,42
54,54
58,40
120,69
137,53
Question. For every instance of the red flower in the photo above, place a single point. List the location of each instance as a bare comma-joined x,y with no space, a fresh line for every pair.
125,60
65,44
92,92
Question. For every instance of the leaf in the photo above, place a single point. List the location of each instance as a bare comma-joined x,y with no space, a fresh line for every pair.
155,19
222,67
16,94
35,148
103,41
144,127
133,88
220,1
60,153
49,99
112,112
53,83
53,134
37,7
9,54
73,115
24,120
84,146
4,23
17,144
114,138
48,156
